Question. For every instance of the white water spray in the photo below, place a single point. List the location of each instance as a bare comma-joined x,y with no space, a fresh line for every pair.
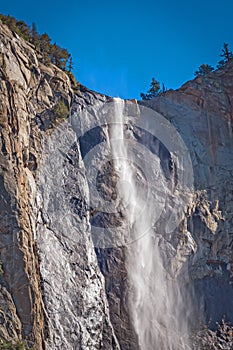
155,299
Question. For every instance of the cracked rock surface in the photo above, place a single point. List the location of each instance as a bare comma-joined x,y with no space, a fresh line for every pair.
59,289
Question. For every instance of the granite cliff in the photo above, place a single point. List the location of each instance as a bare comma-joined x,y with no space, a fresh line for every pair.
62,285
30,93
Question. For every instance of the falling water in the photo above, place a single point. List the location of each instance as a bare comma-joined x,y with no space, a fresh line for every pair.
154,298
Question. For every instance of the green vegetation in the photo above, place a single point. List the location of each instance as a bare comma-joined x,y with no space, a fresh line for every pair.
226,55
60,110
74,83
203,70
50,53
154,90
9,345
42,42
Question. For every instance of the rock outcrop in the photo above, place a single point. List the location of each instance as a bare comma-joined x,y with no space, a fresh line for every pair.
28,90
202,111
60,288
52,292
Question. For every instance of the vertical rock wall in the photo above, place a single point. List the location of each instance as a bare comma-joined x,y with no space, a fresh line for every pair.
202,112
73,287
28,89
52,293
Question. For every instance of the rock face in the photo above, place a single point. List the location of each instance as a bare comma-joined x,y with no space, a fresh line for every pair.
202,112
60,287
37,263
73,287
28,89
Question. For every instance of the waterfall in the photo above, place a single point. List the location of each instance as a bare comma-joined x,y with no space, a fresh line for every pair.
155,300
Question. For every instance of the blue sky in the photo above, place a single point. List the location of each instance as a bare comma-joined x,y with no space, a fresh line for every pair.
117,47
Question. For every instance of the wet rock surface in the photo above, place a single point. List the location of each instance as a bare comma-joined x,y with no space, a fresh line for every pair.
74,294
63,284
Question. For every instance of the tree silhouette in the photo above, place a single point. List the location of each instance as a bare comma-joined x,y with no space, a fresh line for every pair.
226,55
203,70
70,66
153,91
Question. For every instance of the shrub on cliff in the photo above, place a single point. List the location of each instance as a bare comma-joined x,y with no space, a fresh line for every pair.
226,55
42,42
60,110
203,70
9,345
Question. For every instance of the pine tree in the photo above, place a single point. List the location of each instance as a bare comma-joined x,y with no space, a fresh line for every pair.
44,46
203,70
164,89
153,91
70,67
226,54
49,52
34,33
23,29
